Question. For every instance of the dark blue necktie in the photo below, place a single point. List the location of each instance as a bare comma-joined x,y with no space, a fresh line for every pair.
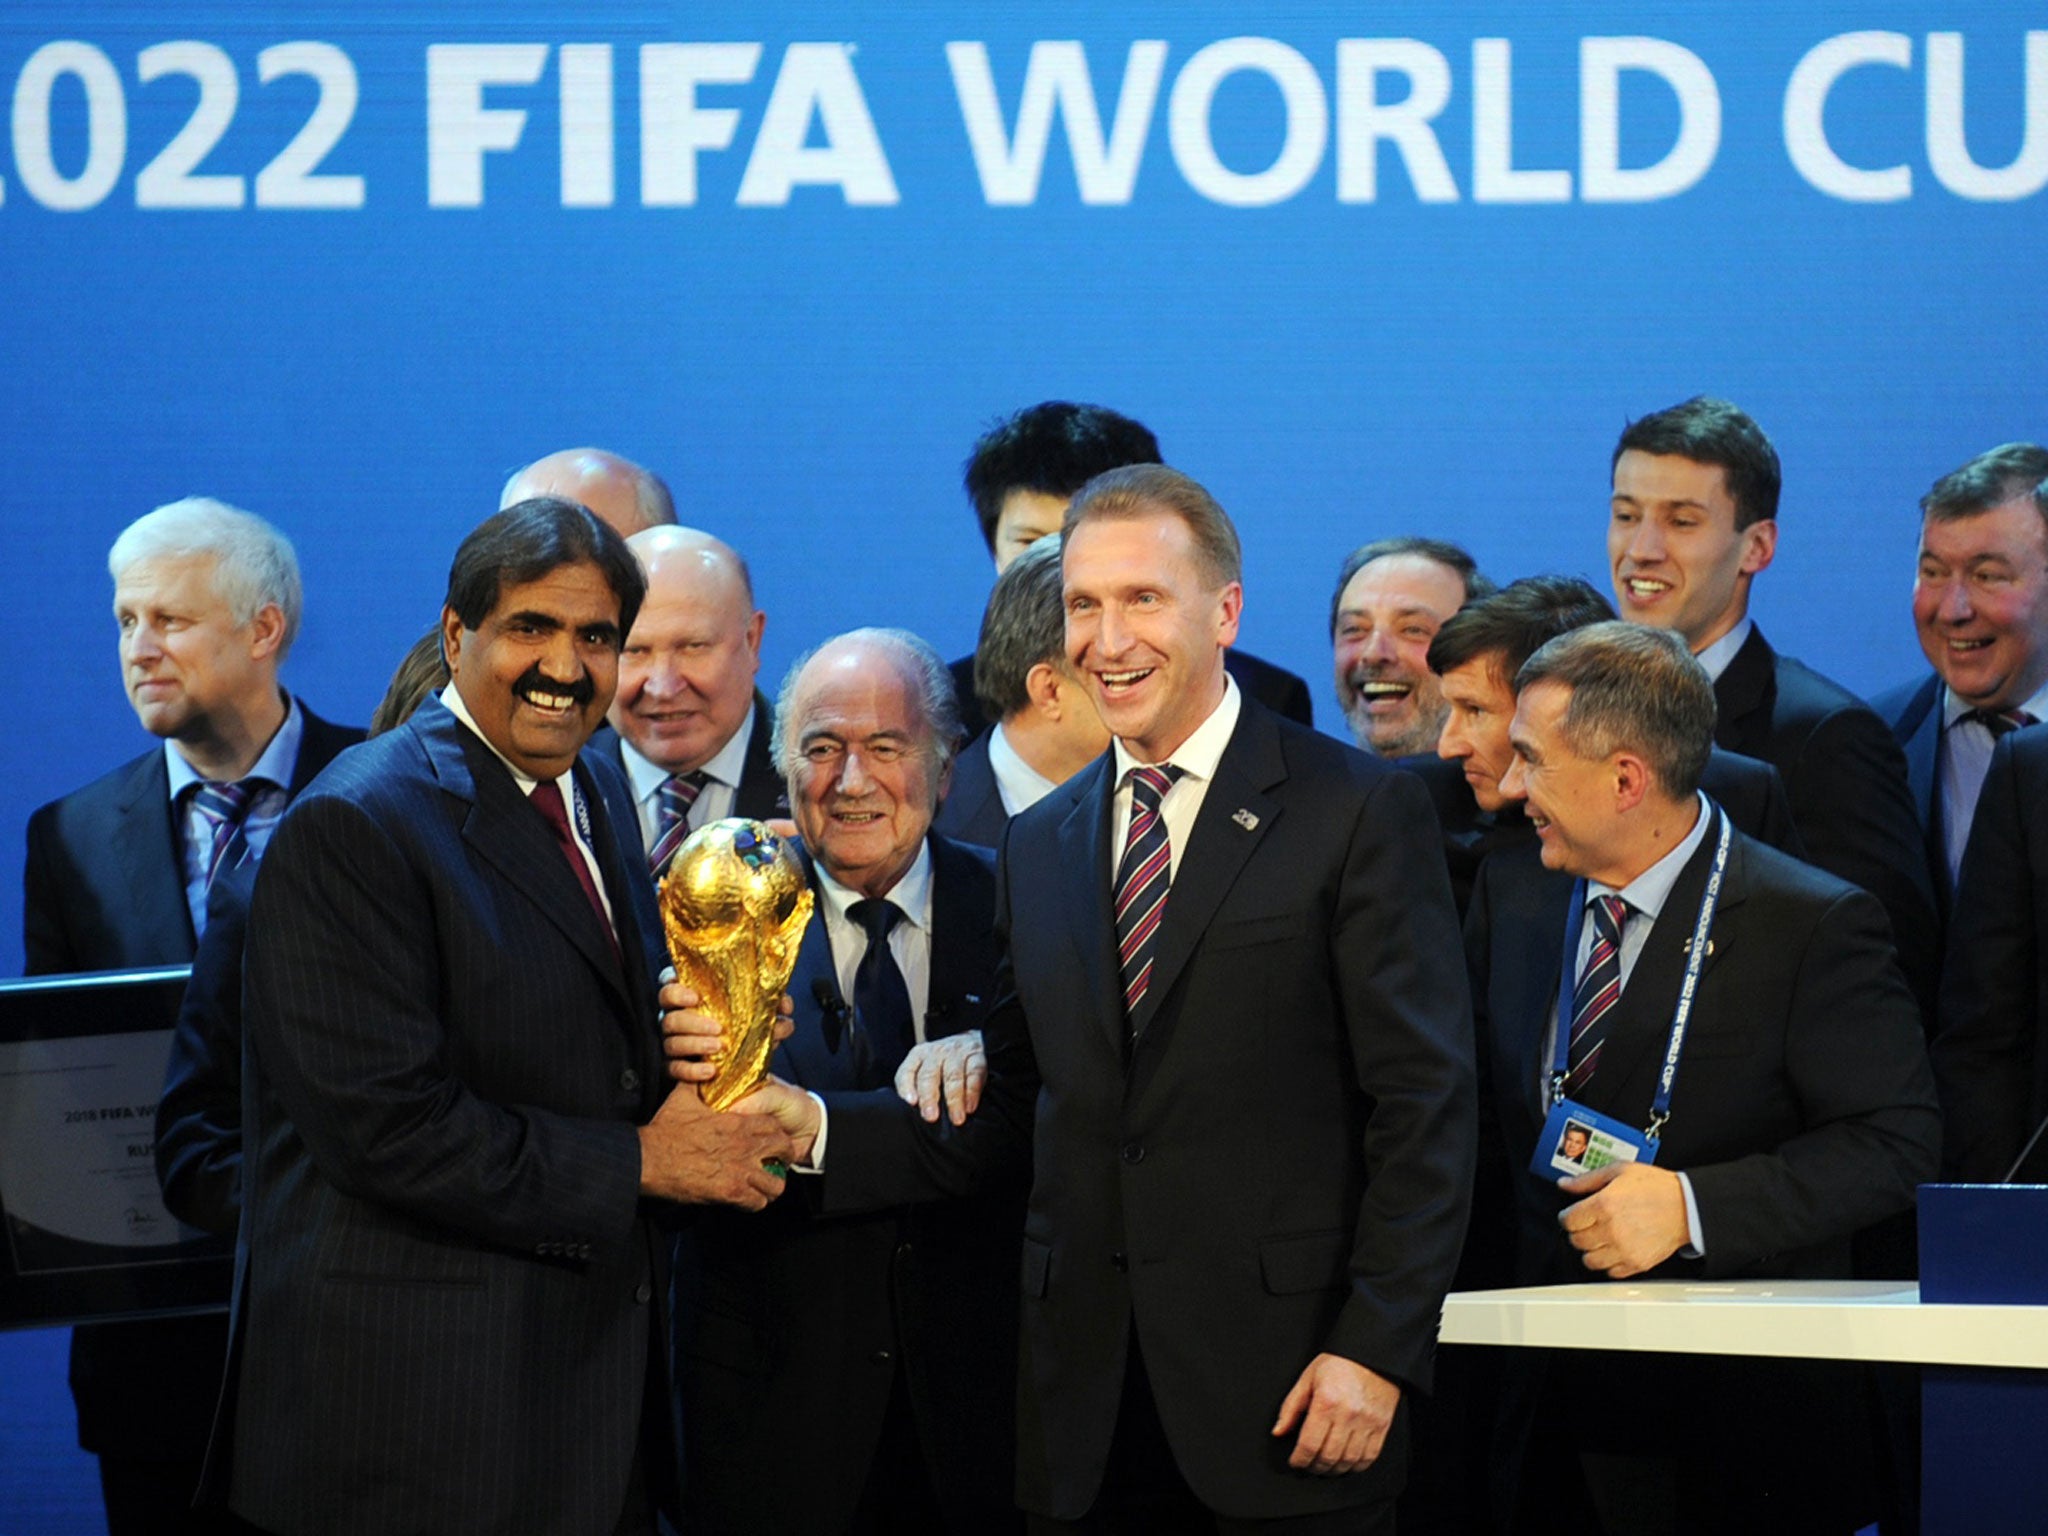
881,1001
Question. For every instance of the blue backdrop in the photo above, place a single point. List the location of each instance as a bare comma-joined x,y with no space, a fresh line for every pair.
1366,271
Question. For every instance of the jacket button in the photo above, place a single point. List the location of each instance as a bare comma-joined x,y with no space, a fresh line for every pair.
1119,1263
1134,1152
880,1357
630,1080
643,1293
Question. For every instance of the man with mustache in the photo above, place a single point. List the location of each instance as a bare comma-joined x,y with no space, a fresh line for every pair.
450,1308
1391,596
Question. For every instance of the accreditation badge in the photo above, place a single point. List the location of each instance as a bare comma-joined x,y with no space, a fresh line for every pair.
1577,1140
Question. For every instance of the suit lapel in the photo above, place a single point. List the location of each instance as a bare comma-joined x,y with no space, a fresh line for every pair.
638,965
1745,694
762,793
1235,817
960,940
818,1056
151,856
1084,849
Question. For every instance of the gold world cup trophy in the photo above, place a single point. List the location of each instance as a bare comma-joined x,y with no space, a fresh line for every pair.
733,906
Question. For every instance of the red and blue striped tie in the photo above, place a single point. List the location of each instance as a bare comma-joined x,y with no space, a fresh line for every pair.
1598,991
673,799
1142,879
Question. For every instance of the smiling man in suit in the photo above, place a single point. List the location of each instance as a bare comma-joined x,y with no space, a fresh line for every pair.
1802,1107
1231,1008
207,599
449,1307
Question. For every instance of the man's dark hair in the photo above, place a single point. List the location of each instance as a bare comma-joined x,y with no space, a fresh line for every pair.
1024,624
1635,689
531,538
1513,624
1054,448
1991,479
1710,431
1442,551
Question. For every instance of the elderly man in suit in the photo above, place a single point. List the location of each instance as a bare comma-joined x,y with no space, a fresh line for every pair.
1693,521
208,602
1801,1110
1047,728
688,728
1980,606
449,1295
1231,1009
897,1329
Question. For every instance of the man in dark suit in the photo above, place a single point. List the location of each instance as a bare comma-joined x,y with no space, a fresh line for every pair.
889,1337
208,600
1693,521
1021,475
1989,1055
1980,605
1802,1108
689,730
1047,729
1391,596
1226,1008
447,1312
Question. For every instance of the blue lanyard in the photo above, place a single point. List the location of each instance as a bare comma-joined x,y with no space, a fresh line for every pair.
1660,1106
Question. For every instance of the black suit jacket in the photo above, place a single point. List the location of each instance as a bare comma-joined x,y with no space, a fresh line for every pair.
1847,781
1988,1053
1279,1168
761,792
1273,686
104,889
1803,1108
1913,712
791,1325
972,811
446,1309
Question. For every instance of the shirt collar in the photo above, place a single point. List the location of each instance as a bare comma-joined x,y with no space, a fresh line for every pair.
566,782
1198,756
1647,892
912,894
1715,658
723,766
1010,769
1954,708
275,764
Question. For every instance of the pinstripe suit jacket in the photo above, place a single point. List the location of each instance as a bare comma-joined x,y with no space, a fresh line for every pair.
446,1316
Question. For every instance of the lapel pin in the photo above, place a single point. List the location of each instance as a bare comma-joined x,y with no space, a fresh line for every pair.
1686,948
1245,819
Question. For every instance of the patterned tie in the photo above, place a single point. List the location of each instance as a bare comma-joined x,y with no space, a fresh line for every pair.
1999,722
1142,879
225,806
547,799
1599,989
881,1001
672,803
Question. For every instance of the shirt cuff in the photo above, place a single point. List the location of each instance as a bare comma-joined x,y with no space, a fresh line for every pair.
815,1163
1696,1244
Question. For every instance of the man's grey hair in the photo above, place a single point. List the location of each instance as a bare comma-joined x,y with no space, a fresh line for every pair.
931,686
254,564
1634,689
1025,624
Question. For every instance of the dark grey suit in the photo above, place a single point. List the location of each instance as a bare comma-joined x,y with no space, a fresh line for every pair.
973,809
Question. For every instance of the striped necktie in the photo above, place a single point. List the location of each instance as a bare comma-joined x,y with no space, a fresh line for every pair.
1599,989
672,802
1999,722
1142,879
224,805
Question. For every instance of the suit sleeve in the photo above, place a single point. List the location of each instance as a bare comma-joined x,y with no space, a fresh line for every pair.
199,1117
1857,1063
344,980
46,947
1407,1012
1855,814
1984,1050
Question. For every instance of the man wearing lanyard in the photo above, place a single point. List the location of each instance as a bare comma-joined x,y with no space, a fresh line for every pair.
1733,1027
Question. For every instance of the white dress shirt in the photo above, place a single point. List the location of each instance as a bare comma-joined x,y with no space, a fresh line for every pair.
1020,785
1965,758
1196,758
714,801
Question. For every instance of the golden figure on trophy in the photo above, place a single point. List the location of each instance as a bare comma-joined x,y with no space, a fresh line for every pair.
733,906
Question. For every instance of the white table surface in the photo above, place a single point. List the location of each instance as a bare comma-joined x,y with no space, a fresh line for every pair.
1810,1319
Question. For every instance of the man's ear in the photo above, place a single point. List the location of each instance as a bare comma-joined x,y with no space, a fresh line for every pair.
1759,546
1632,780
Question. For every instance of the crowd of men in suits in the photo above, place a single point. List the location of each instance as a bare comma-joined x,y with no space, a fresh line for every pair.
1136,1102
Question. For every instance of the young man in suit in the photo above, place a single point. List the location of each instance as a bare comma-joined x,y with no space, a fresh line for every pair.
1980,605
1693,520
689,729
208,601
449,1303
1391,597
897,1328
1802,1107
1046,727
1021,475
1231,1010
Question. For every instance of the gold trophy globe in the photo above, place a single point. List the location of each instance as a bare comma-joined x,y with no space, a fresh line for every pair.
733,907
